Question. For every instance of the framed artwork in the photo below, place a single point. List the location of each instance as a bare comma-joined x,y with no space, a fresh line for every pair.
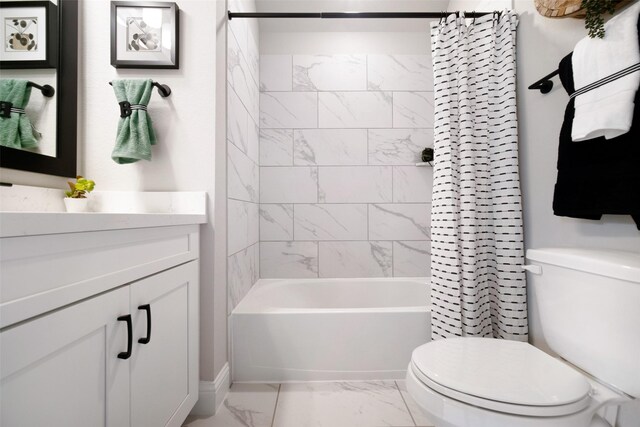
29,34
144,35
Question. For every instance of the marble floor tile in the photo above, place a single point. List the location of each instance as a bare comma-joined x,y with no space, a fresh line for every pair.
341,404
418,415
246,405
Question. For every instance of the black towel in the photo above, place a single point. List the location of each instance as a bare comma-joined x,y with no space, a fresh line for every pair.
598,176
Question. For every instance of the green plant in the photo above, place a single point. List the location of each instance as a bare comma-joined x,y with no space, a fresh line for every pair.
80,188
594,22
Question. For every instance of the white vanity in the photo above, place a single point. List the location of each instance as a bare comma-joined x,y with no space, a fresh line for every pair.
99,318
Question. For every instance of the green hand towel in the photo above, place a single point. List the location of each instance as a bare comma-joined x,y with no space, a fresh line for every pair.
16,131
135,133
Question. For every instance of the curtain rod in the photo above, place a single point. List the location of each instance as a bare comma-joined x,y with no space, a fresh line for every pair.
351,15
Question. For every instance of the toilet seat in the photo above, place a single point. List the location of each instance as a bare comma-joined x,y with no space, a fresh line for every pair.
499,375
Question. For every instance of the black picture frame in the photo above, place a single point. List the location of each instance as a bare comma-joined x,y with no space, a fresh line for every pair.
172,61
64,163
51,49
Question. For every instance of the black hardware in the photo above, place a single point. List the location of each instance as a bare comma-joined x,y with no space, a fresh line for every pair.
163,90
127,354
545,84
46,90
147,308
125,109
349,15
427,155
5,109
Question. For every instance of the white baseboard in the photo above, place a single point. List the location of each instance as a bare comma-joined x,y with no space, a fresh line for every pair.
212,393
222,385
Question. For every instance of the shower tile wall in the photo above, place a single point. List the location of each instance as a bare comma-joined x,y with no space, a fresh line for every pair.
340,194
243,176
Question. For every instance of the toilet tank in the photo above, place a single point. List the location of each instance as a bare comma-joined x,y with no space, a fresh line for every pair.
589,310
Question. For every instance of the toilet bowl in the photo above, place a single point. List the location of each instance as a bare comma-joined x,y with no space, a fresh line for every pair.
484,382
587,303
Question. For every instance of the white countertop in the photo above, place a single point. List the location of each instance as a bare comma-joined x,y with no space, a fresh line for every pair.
30,211
13,224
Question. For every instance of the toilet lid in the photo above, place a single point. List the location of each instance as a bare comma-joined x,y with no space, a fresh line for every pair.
504,371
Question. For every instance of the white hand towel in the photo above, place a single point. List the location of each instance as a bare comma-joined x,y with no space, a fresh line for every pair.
607,110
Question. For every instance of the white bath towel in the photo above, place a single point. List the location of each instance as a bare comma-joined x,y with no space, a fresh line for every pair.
607,110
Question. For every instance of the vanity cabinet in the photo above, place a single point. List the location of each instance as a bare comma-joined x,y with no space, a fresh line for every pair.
124,355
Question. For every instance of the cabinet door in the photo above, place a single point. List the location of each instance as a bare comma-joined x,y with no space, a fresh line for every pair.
164,371
62,369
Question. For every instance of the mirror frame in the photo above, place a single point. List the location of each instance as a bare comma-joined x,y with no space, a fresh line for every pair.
64,163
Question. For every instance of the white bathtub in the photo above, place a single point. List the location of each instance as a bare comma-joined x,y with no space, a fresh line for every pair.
328,329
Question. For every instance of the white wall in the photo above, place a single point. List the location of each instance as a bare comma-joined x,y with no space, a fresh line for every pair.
184,156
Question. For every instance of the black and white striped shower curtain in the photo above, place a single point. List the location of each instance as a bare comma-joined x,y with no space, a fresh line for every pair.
477,285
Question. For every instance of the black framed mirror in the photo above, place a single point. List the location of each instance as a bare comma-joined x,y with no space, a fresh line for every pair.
63,162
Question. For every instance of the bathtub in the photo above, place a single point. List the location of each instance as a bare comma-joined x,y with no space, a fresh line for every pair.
328,329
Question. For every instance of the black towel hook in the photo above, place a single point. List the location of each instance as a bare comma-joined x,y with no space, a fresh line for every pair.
163,90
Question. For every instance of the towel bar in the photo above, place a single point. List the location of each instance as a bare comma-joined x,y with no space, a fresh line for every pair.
163,90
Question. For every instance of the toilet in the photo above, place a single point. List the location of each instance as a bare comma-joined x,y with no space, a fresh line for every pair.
588,306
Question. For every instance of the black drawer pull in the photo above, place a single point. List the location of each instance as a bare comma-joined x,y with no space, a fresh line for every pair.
147,308
127,354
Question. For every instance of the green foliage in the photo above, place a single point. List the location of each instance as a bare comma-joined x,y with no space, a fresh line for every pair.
594,22
80,188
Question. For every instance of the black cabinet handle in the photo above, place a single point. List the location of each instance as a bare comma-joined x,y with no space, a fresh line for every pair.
147,308
127,354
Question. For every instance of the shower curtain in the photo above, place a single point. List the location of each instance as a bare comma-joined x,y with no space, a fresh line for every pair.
477,284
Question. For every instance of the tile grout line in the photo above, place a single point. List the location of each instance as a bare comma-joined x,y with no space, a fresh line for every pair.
405,403
275,407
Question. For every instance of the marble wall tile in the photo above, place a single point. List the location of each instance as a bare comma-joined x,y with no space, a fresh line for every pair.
355,109
243,176
240,78
288,184
400,72
243,269
411,259
398,146
413,109
355,184
275,73
330,222
288,260
412,184
276,147
399,221
281,110
253,140
355,259
242,225
238,29
330,147
329,72
253,54
276,222
237,119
